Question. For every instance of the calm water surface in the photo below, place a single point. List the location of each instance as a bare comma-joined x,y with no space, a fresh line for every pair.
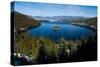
67,31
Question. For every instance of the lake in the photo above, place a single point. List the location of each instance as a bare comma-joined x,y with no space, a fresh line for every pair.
67,31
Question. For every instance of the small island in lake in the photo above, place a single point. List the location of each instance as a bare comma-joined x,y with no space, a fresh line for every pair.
56,28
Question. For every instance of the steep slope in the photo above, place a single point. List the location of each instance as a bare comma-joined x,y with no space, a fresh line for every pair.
23,21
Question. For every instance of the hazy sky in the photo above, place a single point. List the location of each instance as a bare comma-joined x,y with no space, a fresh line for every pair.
45,9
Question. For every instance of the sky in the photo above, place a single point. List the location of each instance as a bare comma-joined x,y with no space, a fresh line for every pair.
47,9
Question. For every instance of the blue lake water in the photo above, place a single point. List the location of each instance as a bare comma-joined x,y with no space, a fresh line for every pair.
67,31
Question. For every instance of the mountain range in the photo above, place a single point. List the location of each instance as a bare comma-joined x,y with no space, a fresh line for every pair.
59,18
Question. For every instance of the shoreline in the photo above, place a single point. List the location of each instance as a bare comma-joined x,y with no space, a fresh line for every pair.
86,26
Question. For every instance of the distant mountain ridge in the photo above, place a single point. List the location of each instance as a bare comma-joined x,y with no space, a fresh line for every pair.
58,18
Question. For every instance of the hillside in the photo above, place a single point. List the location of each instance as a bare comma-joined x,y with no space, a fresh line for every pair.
92,21
23,21
87,21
